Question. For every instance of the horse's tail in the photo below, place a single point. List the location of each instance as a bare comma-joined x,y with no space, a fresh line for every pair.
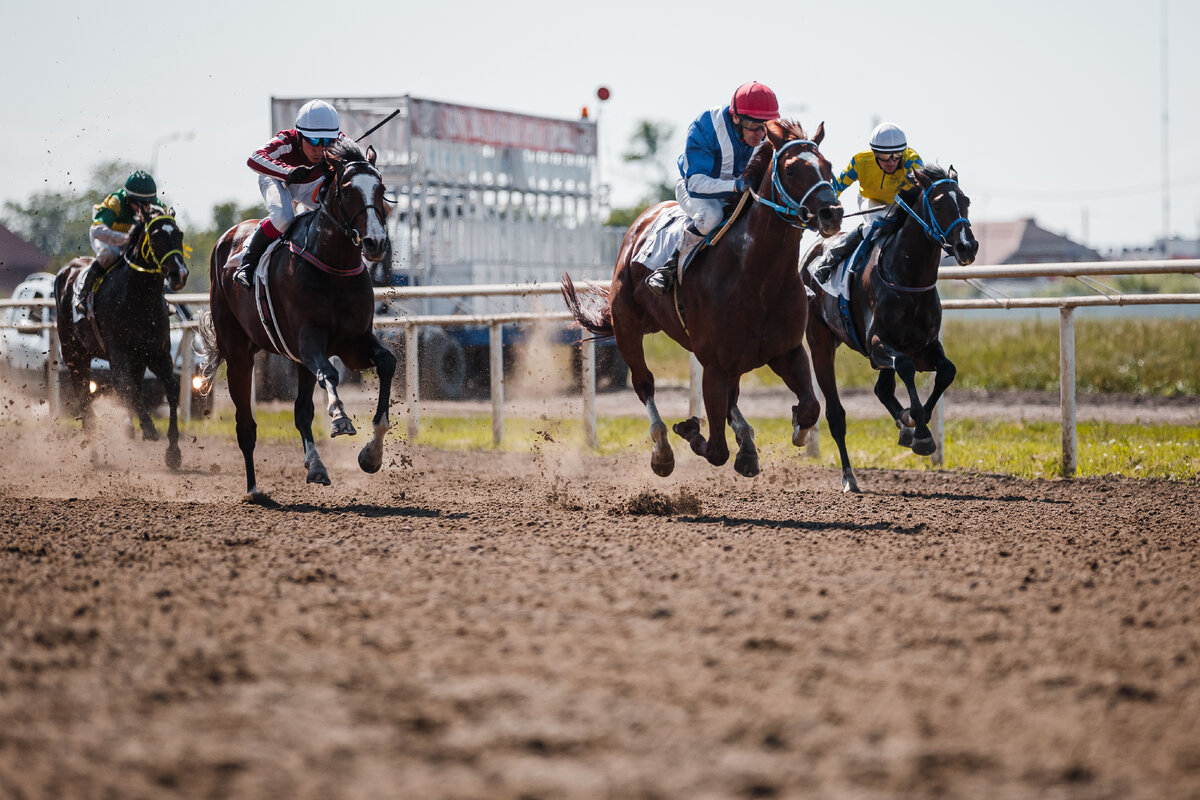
592,311
210,354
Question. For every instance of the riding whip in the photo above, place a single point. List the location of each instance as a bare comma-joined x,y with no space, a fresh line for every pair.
385,121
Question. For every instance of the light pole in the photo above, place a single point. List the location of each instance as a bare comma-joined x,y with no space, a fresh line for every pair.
178,136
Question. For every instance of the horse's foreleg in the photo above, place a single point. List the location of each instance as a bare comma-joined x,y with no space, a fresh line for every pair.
823,348
943,374
303,411
793,368
370,458
716,390
312,353
162,367
127,377
914,416
662,458
746,461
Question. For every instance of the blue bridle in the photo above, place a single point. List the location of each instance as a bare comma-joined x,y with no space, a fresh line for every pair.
932,229
790,209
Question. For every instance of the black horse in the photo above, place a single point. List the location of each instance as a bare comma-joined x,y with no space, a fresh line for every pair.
130,326
317,302
895,314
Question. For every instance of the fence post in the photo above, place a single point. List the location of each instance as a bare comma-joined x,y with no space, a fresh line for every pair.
53,373
185,373
1066,378
411,376
937,425
587,375
496,364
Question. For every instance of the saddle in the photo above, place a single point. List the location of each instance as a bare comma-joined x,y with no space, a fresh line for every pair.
834,300
662,238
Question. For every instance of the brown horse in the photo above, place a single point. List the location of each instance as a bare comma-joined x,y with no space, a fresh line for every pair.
895,310
741,304
316,302
131,324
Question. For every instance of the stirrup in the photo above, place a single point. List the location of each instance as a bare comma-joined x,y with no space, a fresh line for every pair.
241,275
660,281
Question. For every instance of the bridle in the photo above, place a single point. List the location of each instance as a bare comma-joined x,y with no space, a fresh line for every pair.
932,229
152,260
788,209
346,225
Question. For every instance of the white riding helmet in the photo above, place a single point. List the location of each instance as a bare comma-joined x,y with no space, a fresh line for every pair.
887,138
318,119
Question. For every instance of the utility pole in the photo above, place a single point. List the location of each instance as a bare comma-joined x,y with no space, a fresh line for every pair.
1166,173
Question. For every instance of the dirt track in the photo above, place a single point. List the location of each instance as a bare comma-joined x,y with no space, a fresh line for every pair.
552,625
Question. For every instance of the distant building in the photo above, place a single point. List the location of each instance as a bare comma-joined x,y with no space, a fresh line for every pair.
18,258
1023,242
1161,249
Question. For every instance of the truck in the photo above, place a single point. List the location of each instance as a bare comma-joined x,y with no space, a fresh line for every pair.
480,196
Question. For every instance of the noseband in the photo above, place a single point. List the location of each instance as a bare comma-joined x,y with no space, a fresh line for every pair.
932,229
154,261
344,225
790,209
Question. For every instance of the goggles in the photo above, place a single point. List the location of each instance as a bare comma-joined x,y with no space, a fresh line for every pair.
752,127
320,141
889,156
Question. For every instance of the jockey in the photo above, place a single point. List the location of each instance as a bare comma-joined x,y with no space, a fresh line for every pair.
290,172
881,173
113,220
719,144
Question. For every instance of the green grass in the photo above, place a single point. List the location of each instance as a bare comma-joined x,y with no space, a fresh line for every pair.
1141,356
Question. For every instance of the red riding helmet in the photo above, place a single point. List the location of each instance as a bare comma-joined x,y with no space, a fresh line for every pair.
755,101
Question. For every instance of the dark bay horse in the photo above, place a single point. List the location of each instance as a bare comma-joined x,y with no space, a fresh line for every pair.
741,304
895,311
131,324
317,302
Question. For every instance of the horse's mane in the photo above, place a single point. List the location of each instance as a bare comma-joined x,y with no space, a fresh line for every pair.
930,172
760,162
346,151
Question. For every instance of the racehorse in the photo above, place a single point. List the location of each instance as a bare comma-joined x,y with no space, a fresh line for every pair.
740,305
130,324
315,302
895,310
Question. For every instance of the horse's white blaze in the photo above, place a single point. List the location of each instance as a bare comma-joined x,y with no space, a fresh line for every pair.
365,184
812,159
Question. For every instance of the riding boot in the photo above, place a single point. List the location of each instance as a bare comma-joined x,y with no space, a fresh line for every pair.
254,250
834,255
83,287
662,280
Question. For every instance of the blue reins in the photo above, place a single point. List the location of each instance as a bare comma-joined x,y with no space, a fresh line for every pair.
790,207
932,229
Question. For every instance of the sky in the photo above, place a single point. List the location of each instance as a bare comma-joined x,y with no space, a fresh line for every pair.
1051,109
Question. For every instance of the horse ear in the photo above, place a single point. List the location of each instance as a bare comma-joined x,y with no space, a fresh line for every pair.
371,154
820,134
952,175
775,133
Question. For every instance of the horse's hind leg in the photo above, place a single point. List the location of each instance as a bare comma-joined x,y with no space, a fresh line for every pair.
793,368
629,342
162,367
370,458
916,420
823,348
239,366
303,414
717,390
746,461
885,390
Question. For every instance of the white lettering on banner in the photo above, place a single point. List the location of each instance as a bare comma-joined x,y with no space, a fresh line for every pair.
502,129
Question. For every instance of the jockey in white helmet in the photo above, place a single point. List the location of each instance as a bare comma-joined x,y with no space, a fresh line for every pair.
290,173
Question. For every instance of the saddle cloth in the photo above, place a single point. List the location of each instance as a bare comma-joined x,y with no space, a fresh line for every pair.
662,238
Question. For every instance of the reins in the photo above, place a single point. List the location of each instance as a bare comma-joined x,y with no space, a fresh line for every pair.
790,209
308,253
932,229
146,251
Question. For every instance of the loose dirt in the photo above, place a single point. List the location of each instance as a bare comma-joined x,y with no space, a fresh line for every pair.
555,625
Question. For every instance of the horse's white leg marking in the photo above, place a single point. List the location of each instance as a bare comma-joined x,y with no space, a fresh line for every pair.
741,429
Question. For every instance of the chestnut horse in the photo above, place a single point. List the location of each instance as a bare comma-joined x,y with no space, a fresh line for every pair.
131,325
741,303
317,302
895,310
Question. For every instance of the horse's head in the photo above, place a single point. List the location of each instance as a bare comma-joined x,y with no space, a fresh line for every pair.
799,181
159,247
943,212
354,198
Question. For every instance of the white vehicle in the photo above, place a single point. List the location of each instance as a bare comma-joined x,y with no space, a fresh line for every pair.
25,343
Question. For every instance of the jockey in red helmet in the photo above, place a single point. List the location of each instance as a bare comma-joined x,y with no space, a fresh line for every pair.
289,174
719,144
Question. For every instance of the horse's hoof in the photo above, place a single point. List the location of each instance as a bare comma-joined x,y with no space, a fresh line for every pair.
369,463
687,429
663,467
906,418
800,436
342,426
319,476
924,447
259,498
746,466
906,437
150,434
174,458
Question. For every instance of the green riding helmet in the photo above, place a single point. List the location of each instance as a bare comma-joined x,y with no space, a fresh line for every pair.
140,186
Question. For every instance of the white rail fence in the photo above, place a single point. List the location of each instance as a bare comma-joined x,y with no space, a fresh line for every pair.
411,324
